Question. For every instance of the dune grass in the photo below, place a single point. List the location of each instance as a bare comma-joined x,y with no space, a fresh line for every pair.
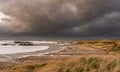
91,63
107,45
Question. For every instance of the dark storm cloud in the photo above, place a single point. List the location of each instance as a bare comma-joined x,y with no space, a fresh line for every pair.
109,24
62,17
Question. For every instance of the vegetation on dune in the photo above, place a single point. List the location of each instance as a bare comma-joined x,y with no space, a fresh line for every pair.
107,45
27,68
92,63
96,64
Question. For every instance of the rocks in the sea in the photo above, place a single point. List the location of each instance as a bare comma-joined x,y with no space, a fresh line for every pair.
18,43
23,43
9,43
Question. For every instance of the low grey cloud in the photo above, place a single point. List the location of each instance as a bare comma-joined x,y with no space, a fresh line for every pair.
61,17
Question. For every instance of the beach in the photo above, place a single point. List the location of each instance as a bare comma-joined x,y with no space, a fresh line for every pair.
14,51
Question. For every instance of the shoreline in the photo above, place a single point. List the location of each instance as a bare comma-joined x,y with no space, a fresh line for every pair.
53,48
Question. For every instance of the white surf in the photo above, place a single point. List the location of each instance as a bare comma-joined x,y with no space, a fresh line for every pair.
21,49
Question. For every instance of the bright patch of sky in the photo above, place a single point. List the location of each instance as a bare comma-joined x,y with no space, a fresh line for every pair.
3,17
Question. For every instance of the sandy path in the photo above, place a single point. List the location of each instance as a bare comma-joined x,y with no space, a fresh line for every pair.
80,50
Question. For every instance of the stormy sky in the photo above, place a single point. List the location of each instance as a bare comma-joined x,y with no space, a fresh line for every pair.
60,17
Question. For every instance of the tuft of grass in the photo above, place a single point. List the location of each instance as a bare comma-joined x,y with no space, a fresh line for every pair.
98,64
79,69
68,70
27,68
33,67
116,48
88,64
